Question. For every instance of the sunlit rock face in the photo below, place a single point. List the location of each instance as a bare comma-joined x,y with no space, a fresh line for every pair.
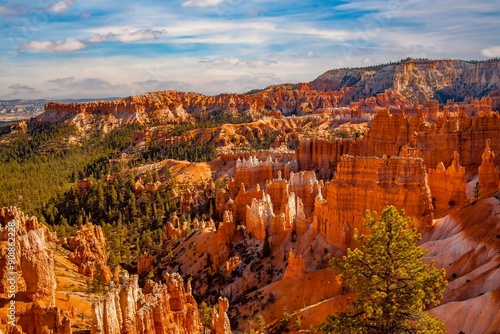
158,308
362,184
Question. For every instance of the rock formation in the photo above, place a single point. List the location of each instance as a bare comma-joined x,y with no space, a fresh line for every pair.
260,218
489,173
37,265
296,267
362,184
145,263
321,155
158,308
447,185
89,253
416,80
220,322
36,280
434,143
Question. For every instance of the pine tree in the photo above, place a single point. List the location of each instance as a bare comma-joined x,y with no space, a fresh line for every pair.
393,285
477,191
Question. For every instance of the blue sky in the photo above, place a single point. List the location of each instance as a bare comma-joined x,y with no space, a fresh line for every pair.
75,48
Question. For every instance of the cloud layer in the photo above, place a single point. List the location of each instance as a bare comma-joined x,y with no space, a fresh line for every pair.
91,48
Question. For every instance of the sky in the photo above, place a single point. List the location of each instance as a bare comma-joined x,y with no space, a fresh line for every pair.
95,49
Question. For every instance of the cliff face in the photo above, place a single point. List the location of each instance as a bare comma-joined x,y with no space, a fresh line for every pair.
37,265
322,155
417,80
174,107
362,184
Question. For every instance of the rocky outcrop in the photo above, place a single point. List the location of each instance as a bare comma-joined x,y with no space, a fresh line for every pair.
220,321
36,282
37,265
447,185
158,308
306,187
260,218
362,184
296,267
253,171
25,223
89,253
489,173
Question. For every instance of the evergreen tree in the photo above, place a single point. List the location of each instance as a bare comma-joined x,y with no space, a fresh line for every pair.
393,285
477,191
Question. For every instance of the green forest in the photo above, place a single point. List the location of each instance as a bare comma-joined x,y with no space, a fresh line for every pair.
40,170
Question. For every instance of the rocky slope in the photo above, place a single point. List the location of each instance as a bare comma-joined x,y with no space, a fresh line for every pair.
465,243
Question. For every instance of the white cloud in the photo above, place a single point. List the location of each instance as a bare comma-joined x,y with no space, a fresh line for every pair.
491,52
127,36
87,84
231,61
201,3
61,7
69,45
157,85
73,44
